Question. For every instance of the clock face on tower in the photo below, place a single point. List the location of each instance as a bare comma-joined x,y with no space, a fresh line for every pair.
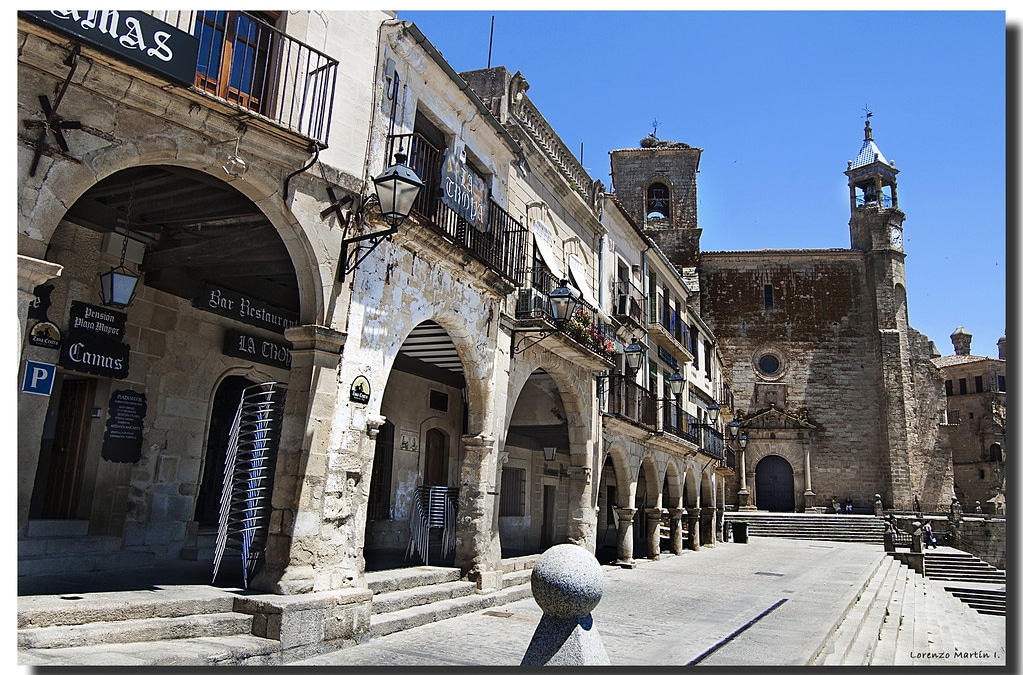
896,238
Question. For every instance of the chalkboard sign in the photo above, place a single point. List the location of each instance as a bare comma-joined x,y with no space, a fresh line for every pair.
126,413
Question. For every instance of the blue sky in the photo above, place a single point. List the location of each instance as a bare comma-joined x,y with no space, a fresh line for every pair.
777,101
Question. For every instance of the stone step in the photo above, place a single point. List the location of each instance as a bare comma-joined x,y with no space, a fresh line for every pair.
411,617
78,563
836,650
862,648
234,650
393,601
39,611
883,653
135,630
385,581
57,528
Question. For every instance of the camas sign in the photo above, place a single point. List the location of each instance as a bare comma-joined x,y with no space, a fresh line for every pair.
131,34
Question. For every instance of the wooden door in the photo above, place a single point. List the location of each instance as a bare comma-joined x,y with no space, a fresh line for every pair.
69,450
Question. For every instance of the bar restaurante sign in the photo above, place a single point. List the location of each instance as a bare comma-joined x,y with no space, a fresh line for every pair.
246,309
132,35
257,349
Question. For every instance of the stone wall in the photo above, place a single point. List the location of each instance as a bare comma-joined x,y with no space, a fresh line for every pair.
984,538
820,326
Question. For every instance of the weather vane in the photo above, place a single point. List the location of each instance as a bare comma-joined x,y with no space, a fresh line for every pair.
867,111
655,127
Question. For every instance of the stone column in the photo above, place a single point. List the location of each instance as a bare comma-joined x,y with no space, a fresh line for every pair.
300,492
31,407
653,533
707,525
743,488
808,493
625,537
675,524
474,551
693,514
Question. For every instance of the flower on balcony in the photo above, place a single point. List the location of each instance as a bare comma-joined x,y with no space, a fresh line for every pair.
584,330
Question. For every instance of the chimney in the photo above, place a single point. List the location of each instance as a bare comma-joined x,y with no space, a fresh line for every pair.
961,339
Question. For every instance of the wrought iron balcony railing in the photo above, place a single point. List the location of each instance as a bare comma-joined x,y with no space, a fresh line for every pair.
628,303
628,400
585,328
678,422
250,64
501,245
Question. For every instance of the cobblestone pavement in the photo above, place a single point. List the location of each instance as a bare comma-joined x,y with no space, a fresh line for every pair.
785,596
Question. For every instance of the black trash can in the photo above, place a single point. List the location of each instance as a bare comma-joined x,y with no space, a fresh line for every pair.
740,531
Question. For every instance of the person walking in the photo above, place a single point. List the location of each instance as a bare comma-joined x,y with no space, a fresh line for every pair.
929,539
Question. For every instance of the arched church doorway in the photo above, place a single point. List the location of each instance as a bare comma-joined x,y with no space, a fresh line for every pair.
775,487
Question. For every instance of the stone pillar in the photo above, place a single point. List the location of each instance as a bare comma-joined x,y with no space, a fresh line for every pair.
707,526
675,524
298,532
582,516
808,494
693,515
917,537
474,552
31,408
653,533
625,537
743,488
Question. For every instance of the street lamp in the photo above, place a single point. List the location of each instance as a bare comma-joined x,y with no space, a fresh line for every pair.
395,190
713,410
634,355
563,300
548,453
676,382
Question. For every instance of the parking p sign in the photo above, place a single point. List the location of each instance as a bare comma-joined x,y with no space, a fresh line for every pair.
38,378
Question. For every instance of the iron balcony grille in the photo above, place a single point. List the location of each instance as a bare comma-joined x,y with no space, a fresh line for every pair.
586,328
628,400
250,64
501,247
628,302
713,442
678,422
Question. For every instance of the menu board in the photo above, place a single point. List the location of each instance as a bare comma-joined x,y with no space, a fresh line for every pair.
126,416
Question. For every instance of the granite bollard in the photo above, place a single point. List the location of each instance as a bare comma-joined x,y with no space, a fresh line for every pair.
567,583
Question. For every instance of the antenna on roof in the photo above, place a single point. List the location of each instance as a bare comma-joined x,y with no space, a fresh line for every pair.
491,49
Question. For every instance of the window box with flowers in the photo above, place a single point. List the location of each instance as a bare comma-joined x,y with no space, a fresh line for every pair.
584,330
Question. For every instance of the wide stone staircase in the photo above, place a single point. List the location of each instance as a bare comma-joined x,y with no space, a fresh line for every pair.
903,618
199,625
973,581
829,527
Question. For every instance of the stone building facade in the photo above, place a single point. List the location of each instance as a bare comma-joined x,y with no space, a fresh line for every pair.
833,388
427,404
975,423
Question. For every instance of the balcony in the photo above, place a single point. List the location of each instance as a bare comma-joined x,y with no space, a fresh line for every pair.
712,443
254,67
678,422
586,334
629,401
628,306
500,245
672,331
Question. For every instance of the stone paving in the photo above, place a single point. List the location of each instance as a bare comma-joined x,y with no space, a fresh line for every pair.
788,595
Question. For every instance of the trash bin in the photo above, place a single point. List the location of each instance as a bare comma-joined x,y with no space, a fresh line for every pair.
740,531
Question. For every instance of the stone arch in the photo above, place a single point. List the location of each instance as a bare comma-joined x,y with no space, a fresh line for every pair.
673,477
66,183
691,487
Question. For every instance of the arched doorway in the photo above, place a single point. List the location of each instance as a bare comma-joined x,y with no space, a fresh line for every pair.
775,487
225,405
413,483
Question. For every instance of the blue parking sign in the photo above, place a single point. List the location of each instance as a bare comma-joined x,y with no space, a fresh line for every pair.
38,378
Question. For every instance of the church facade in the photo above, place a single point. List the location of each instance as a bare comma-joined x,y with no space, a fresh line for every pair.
834,389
